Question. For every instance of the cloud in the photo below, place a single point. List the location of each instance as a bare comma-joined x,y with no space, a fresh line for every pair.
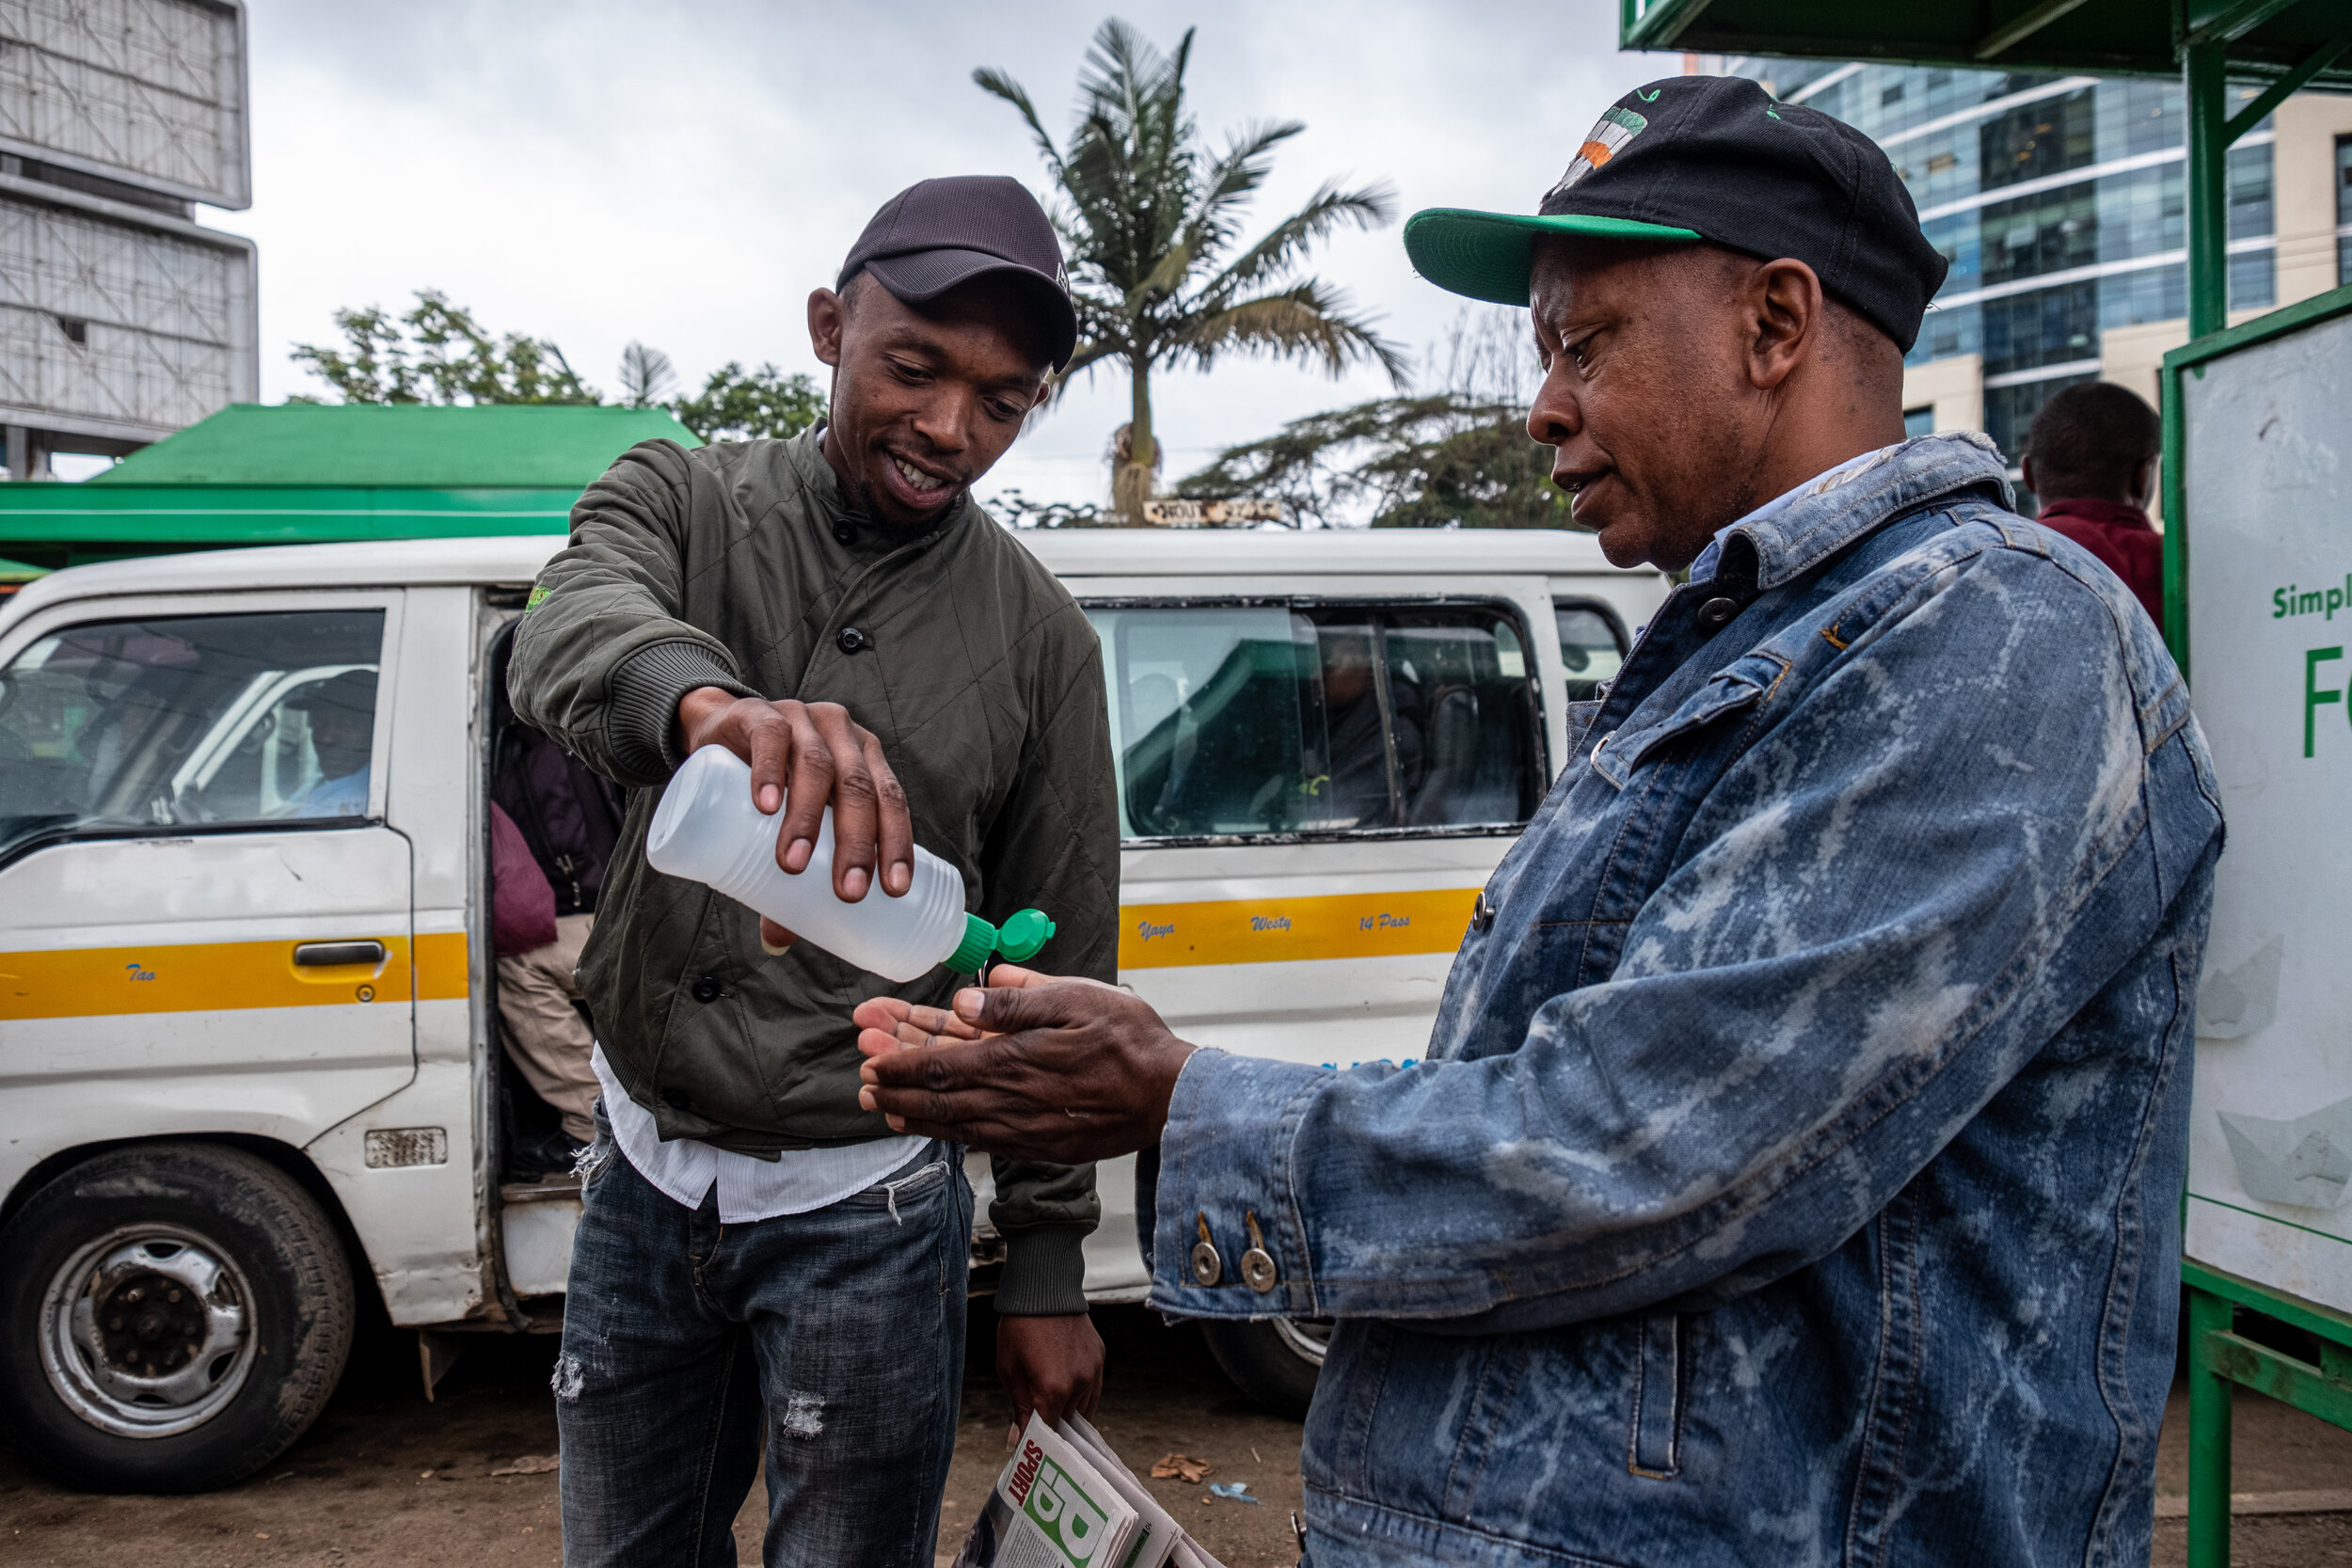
594,172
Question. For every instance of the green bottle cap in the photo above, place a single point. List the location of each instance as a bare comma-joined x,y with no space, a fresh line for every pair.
1024,934
970,954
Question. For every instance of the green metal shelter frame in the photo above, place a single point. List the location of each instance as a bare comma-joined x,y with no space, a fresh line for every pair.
2282,47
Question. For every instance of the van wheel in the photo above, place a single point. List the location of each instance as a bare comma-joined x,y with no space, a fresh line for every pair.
172,1316
1274,1361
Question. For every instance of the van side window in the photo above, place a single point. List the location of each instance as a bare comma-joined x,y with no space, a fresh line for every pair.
207,720
1592,645
1259,720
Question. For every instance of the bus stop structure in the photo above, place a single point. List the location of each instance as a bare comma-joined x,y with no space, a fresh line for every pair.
2257,421
311,473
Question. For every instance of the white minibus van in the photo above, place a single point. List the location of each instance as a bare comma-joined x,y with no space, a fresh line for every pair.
249,1063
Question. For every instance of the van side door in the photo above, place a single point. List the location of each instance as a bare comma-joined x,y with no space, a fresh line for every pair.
202,908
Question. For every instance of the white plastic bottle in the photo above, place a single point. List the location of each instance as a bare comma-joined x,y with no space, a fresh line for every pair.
708,829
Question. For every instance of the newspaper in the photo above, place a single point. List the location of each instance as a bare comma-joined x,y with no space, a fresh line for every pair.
1066,1501
1156,1531
1050,1508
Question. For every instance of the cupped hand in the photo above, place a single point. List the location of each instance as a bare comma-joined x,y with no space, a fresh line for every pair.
1033,1067
808,756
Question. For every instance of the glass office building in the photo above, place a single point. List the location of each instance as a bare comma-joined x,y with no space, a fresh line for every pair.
2060,201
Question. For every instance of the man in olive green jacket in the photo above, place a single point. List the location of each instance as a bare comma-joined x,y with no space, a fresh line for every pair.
837,611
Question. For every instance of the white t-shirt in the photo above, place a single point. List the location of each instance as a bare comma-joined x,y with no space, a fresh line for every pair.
750,1188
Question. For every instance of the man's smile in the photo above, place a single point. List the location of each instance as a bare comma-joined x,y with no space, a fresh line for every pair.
914,486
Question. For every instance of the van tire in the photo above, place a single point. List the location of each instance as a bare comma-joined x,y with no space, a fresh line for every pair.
277,1321
1266,1363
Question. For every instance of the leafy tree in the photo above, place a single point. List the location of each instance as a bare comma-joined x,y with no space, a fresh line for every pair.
1455,457
437,353
1150,219
645,375
735,405
1444,460
1014,509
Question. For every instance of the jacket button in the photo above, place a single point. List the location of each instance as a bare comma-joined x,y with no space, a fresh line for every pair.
1207,1267
1257,1265
708,988
843,533
852,640
1715,612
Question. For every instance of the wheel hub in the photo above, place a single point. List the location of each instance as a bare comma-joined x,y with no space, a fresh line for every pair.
146,1331
151,1323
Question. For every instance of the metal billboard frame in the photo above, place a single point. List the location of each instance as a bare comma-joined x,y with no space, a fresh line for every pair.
236,199
243,347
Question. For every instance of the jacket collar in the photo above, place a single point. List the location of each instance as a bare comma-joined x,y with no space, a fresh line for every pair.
823,489
1846,504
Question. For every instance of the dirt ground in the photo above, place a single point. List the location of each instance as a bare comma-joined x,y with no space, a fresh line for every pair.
387,1480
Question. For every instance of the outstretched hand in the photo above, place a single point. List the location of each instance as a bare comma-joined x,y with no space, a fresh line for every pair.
1032,1067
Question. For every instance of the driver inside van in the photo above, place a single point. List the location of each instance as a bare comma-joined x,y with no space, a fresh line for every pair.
340,713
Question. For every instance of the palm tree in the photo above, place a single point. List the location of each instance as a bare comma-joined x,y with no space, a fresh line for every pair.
1149,218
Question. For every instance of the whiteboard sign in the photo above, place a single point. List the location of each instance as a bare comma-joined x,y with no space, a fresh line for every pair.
2268,488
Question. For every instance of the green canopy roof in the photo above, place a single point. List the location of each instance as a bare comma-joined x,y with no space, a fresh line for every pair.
410,445
308,473
2266,39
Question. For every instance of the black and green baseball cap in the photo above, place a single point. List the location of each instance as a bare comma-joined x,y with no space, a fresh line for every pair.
1714,159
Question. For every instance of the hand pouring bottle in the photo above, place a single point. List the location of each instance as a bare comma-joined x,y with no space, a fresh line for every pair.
708,829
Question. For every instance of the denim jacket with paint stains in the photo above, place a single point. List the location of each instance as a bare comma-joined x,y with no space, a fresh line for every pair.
1794,1174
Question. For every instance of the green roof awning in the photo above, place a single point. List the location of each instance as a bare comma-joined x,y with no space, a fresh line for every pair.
17,572
2140,38
406,444
308,473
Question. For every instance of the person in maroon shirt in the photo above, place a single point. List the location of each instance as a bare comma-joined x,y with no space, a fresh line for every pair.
2091,460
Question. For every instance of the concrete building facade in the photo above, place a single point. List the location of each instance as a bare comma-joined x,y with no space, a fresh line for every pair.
121,318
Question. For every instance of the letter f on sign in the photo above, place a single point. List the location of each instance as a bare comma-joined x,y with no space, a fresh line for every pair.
2313,696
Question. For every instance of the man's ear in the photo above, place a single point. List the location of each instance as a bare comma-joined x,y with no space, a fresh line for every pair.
827,315
1784,302
2026,476
2144,483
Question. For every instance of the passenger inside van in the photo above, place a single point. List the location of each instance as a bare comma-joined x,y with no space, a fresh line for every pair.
1358,793
560,822
1256,719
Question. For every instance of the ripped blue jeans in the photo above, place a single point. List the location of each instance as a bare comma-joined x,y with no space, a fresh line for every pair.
837,1336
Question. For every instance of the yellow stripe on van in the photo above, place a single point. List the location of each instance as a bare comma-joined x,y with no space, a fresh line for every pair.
97,982
1270,930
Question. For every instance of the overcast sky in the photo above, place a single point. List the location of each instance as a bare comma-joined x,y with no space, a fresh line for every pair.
595,172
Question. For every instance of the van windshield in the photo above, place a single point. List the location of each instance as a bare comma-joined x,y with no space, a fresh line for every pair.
135,726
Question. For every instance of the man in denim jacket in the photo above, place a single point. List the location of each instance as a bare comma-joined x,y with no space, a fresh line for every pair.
1794,1174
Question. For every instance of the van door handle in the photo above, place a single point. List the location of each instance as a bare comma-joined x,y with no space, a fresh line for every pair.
323,953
